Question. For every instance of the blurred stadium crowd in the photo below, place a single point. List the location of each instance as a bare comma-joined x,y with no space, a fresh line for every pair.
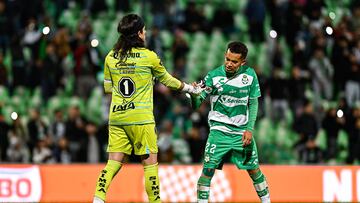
306,54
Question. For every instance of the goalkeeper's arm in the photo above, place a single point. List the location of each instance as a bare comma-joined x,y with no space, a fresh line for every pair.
107,86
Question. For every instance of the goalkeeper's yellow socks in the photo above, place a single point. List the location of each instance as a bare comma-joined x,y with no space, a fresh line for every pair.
261,186
105,178
152,183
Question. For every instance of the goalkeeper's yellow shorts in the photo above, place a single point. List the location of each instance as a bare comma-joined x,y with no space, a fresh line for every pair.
140,138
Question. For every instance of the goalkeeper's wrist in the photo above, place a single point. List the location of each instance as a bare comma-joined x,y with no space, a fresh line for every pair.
187,88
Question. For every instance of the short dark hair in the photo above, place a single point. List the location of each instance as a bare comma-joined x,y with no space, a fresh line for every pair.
238,47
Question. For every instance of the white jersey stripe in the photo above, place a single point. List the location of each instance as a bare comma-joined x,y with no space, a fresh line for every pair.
227,130
237,120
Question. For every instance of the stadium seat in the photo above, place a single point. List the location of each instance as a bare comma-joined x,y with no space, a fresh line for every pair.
4,95
321,139
167,38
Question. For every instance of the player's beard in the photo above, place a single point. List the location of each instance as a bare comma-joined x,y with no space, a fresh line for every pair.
230,71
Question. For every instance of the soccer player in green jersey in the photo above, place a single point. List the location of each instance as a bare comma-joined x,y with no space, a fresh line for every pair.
234,91
128,75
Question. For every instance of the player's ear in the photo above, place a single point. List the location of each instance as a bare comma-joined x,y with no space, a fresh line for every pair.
243,62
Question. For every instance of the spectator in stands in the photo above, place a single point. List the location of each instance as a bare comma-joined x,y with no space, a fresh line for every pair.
159,11
155,42
6,27
354,23
19,70
313,9
198,133
223,19
42,153
180,48
50,73
61,42
278,92
277,10
57,127
294,22
352,127
255,14
75,131
306,126
322,75
18,150
298,58
332,125
180,67
297,86
61,151
277,56
3,72
340,58
37,128
86,59
166,153
91,147
310,153
352,85
4,141
194,20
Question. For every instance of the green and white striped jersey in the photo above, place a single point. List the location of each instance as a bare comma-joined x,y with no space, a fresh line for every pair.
229,98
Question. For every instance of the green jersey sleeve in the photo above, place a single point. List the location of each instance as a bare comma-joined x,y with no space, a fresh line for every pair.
255,88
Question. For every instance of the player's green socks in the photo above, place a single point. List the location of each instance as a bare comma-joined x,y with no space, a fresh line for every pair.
260,184
105,178
203,189
152,183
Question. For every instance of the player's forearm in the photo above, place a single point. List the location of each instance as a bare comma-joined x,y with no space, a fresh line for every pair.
171,82
108,86
253,109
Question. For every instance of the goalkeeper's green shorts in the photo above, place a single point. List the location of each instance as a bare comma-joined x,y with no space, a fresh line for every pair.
222,146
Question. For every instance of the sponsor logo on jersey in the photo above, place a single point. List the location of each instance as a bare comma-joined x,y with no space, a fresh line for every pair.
123,107
133,55
122,64
228,100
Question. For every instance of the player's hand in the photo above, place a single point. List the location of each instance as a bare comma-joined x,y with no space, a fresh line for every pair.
246,138
194,88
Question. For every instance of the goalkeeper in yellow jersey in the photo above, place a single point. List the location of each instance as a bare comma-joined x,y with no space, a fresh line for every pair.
128,75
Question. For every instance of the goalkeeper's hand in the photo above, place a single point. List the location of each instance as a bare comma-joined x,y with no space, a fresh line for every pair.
194,88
